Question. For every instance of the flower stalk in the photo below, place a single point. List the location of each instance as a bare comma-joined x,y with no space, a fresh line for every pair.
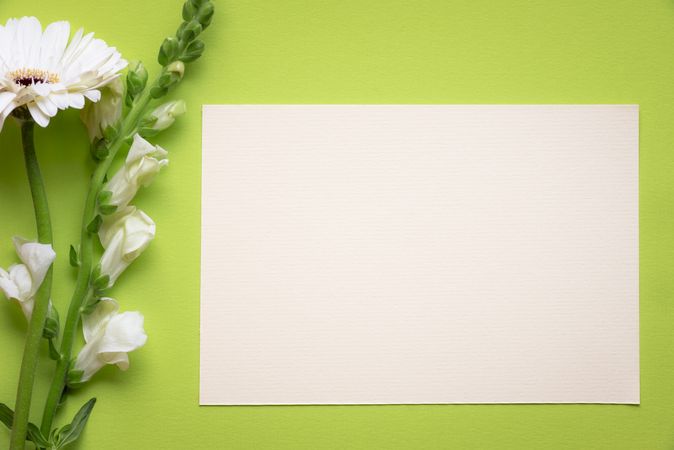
84,289
40,310
33,92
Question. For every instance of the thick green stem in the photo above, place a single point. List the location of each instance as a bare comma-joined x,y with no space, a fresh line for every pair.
36,325
83,288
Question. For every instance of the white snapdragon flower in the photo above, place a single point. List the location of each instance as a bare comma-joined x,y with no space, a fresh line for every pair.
143,162
109,336
106,112
124,235
46,71
164,116
21,281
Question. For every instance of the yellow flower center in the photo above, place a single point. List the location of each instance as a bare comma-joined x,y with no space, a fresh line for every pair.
27,77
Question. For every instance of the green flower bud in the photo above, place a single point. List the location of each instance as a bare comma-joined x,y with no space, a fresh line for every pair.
168,51
190,31
205,14
136,79
158,92
52,324
193,51
189,10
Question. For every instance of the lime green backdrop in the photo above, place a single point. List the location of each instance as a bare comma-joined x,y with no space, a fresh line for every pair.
349,51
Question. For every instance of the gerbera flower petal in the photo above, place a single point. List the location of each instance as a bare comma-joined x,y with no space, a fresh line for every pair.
38,116
43,71
5,99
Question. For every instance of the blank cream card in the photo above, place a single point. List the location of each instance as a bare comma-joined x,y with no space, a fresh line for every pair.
373,254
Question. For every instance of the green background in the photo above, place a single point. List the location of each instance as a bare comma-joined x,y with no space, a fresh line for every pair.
349,51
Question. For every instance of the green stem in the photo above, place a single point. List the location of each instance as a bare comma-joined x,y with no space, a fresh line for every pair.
83,288
36,325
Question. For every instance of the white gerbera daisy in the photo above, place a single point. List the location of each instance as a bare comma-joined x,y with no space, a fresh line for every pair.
43,72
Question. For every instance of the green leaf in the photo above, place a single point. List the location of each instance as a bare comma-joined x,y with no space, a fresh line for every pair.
6,415
52,324
110,133
74,378
95,224
158,92
89,308
106,210
34,434
104,197
100,150
53,351
71,432
147,132
74,259
102,282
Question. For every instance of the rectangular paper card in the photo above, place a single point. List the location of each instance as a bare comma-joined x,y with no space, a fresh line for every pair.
420,254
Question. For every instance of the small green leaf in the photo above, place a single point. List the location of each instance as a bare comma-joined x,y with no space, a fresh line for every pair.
74,378
53,351
69,433
52,324
100,150
89,308
102,282
148,132
106,210
104,197
95,224
96,272
158,92
110,133
74,259
34,434
6,415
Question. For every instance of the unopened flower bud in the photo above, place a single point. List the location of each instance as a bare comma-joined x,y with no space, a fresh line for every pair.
136,78
163,117
168,52
177,68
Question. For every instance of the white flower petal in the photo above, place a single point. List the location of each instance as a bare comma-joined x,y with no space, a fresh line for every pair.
93,323
124,235
37,258
8,286
109,337
46,73
5,99
142,164
39,117
124,333
23,280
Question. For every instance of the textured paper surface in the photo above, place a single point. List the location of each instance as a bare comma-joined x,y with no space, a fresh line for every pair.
419,254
